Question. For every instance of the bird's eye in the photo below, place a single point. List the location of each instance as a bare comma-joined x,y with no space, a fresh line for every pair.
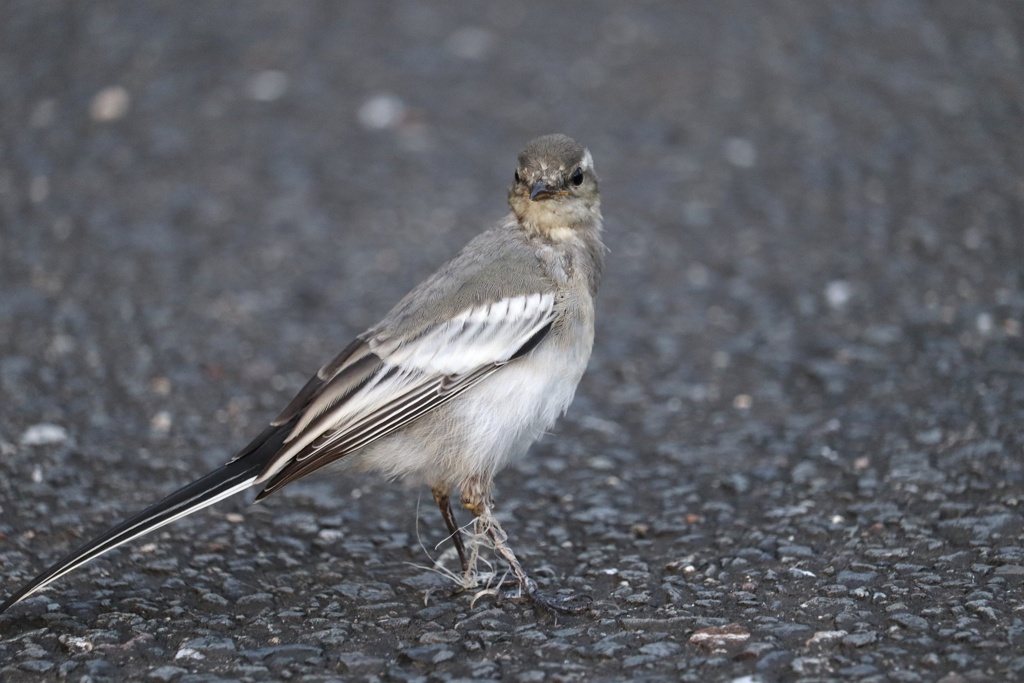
517,177
577,177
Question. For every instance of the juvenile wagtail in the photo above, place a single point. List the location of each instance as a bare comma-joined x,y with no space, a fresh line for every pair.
459,379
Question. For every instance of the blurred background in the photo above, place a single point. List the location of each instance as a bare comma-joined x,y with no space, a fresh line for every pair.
809,345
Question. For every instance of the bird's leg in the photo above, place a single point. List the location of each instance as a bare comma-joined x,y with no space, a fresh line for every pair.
476,498
444,504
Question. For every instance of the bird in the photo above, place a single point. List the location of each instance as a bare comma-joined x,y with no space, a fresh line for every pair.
457,381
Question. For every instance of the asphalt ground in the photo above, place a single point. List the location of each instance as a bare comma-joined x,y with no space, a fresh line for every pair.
797,453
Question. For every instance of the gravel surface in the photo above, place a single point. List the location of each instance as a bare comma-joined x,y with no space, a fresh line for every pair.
798,451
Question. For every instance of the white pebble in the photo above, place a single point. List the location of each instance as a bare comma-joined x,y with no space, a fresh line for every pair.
110,104
161,422
44,434
381,111
838,293
825,637
75,644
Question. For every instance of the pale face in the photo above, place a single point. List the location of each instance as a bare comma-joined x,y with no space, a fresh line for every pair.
555,188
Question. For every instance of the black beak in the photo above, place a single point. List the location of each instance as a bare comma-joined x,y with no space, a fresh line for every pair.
542,190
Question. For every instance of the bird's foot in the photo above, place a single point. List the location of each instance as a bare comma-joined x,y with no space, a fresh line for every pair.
477,501
516,591
568,604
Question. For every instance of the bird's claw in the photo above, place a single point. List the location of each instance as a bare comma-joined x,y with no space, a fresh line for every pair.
570,604
517,592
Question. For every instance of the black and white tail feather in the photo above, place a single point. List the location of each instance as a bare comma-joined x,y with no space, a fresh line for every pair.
238,475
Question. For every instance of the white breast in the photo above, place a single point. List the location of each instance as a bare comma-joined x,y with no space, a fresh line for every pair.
513,408
481,431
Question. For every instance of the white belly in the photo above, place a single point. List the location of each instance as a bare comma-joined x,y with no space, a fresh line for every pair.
482,430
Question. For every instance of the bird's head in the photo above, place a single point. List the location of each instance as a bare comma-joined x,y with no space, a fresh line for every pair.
555,192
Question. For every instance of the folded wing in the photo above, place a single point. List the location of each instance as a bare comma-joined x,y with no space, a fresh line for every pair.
380,384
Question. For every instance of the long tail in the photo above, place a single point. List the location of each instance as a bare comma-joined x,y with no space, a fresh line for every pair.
236,476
